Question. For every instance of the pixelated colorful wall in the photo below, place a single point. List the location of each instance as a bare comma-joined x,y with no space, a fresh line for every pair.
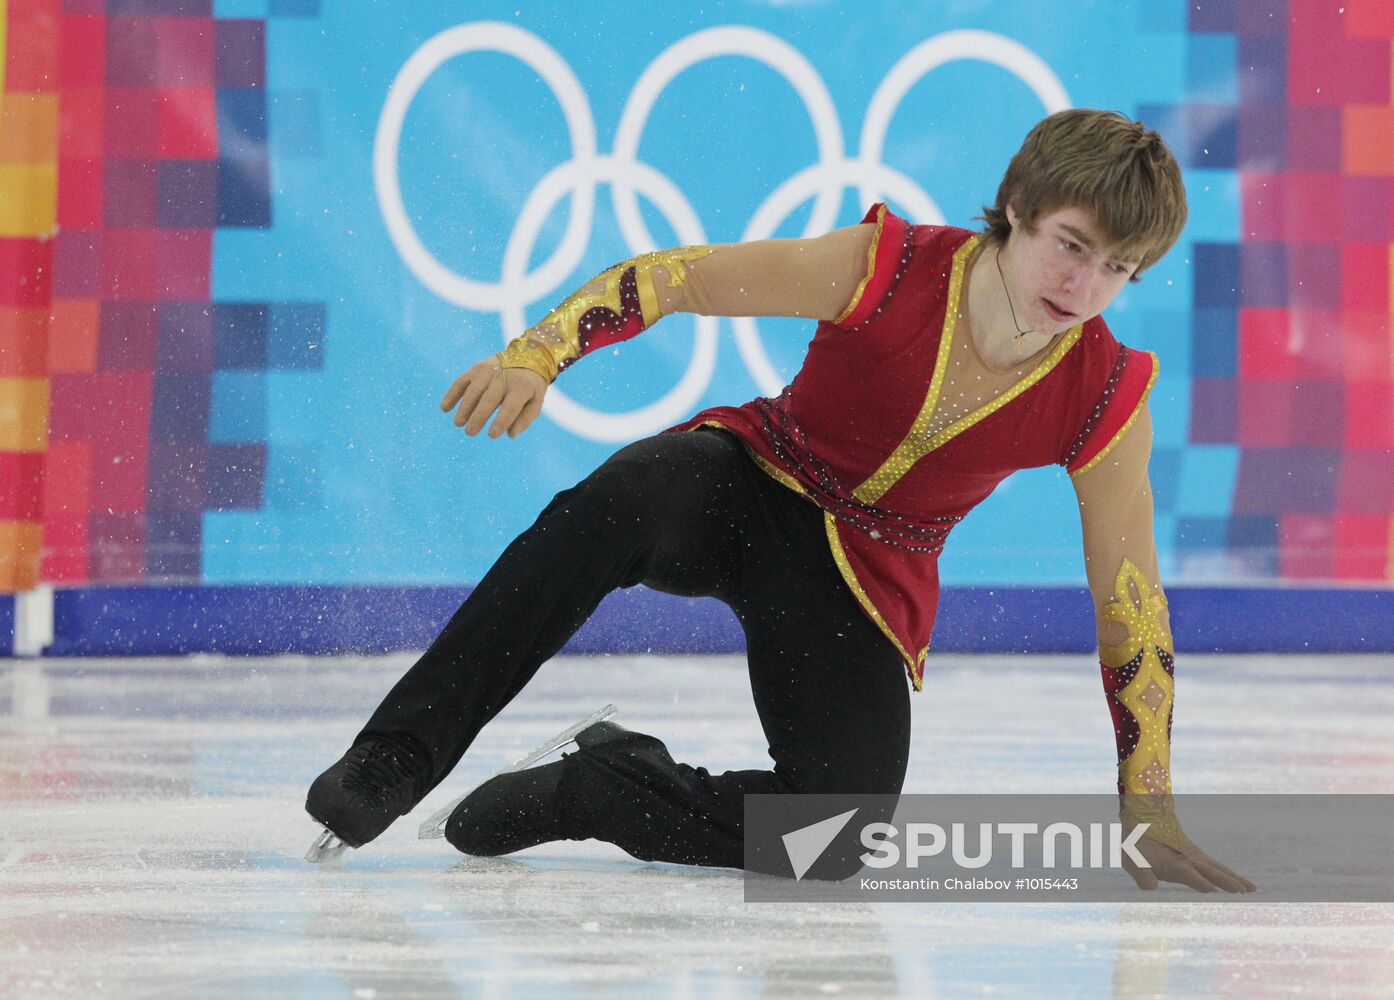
29,106
1291,338
187,213
153,115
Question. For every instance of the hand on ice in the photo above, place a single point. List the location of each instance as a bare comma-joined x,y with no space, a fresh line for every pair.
515,392
1194,868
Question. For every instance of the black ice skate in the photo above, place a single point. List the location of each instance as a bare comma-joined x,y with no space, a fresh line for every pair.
434,827
509,812
519,808
361,796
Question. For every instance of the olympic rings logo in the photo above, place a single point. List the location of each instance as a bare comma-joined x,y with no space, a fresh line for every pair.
824,182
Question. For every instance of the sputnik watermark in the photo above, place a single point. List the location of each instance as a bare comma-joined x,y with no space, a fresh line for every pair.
806,845
927,840
1075,848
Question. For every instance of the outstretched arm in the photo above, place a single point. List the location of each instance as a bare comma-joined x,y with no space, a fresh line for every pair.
820,278
814,278
1136,657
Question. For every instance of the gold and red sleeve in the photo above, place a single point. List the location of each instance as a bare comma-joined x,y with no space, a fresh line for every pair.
616,305
1139,681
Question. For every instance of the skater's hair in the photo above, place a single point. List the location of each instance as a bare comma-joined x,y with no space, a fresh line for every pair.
1115,168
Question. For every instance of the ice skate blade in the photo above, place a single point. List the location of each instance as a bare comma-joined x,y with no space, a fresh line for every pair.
434,827
326,847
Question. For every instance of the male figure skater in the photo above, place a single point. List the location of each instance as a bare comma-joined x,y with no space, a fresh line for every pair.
943,361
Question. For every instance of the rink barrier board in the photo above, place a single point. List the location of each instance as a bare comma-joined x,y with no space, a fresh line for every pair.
269,620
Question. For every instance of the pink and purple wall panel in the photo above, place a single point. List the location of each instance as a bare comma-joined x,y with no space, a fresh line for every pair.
163,141
1292,351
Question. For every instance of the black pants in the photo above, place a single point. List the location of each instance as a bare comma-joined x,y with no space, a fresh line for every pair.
690,514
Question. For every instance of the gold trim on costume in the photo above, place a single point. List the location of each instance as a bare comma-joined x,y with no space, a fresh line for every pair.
1128,424
1145,774
774,471
992,406
918,442
549,344
844,566
648,295
849,575
870,268
1159,813
1148,695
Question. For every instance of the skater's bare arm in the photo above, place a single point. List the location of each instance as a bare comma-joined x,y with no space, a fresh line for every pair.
1115,509
801,278
809,278
1136,656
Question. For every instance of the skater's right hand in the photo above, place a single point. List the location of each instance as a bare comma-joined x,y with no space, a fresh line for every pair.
515,392
1194,868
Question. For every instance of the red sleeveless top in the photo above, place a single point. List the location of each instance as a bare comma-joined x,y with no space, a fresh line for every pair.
851,431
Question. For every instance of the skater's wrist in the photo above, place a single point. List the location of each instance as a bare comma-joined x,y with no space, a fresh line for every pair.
1158,814
523,352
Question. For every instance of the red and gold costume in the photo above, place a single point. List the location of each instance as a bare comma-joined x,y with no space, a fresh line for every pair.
890,483
868,433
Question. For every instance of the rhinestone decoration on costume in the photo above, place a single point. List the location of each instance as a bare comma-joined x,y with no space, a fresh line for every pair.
920,441
1137,675
617,304
1098,413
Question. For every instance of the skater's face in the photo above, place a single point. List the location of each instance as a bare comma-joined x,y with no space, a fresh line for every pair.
1061,273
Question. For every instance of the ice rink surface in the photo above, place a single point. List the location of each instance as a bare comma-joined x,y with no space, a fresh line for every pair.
152,830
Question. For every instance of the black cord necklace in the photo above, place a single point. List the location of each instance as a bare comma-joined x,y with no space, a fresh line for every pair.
997,257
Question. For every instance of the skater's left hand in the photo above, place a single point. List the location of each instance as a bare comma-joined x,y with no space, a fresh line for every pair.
1195,868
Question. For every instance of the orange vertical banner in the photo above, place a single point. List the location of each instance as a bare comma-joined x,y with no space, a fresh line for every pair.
28,217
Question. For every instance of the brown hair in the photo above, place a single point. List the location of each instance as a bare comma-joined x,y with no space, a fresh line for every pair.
1115,168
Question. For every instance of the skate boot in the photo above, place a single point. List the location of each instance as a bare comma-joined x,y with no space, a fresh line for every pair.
361,795
508,813
520,809
433,828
